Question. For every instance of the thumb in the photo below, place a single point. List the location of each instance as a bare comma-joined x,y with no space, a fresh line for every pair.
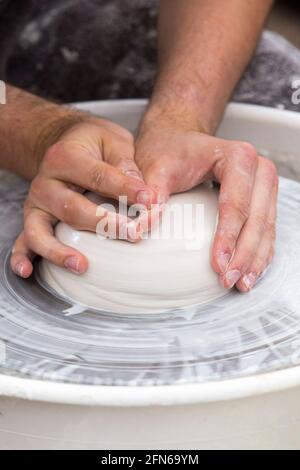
121,156
157,177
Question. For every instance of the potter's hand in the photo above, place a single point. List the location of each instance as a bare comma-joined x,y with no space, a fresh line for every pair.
96,155
174,158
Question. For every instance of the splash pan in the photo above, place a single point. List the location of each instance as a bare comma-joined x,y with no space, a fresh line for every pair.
45,338
229,372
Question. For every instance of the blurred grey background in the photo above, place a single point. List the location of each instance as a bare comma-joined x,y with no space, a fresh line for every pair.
285,20
107,49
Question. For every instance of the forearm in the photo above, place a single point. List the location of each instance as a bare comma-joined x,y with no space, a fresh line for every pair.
204,47
28,126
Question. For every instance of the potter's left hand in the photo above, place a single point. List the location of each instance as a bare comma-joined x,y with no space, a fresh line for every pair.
176,157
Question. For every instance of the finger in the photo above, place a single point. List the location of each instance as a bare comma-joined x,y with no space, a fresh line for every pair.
264,196
236,174
266,249
120,154
259,265
21,258
78,211
71,163
40,239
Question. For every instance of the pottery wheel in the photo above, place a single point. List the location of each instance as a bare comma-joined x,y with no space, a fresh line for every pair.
43,337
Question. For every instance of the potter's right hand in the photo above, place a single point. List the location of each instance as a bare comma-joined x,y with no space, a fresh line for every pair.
95,155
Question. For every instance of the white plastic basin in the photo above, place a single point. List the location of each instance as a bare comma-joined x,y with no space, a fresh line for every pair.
256,412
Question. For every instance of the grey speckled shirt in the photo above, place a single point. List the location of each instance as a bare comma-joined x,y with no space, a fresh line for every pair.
75,50
99,48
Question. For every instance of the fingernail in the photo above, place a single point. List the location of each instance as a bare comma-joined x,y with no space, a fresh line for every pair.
232,277
223,261
144,197
19,269
72,264
134,174
249,281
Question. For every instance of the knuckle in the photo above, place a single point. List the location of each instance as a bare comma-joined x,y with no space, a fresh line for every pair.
54,154
242,157
58,155
236,210
270,166
96,176
228,236
246,151
242,210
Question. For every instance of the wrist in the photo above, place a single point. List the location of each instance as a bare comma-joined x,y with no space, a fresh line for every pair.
178,104
29,125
